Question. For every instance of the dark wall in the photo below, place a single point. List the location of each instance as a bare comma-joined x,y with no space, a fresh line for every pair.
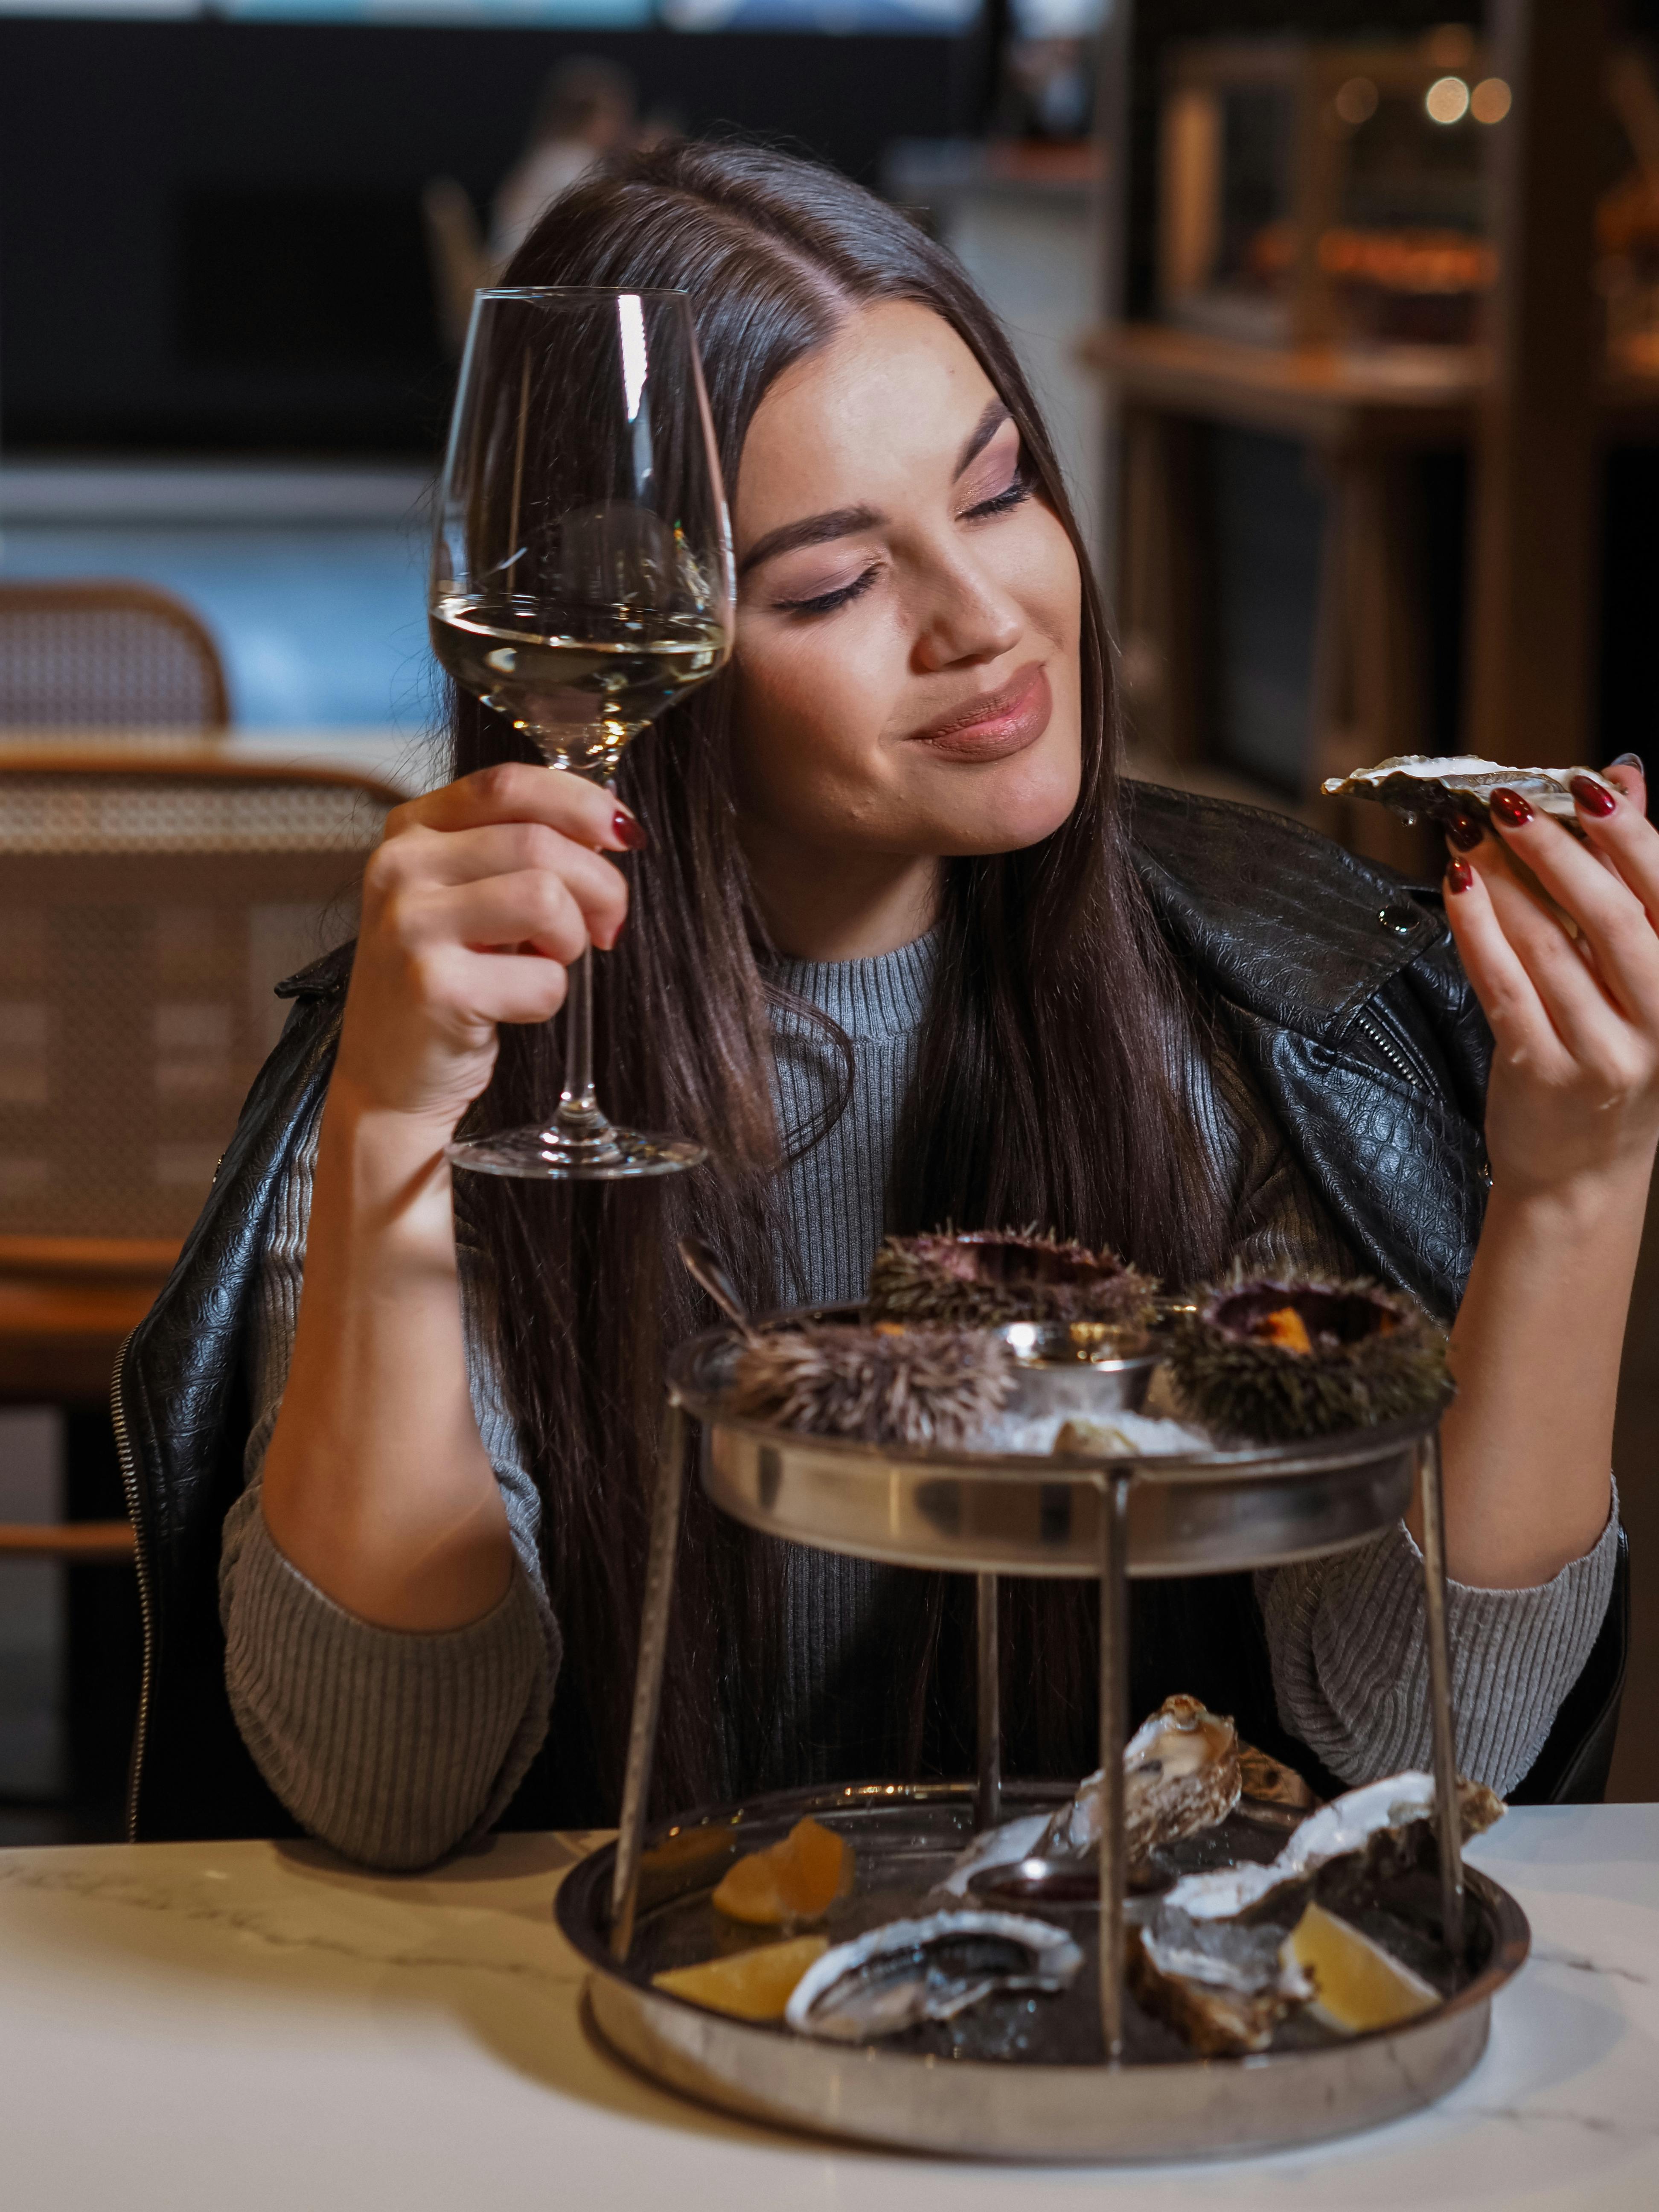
210,231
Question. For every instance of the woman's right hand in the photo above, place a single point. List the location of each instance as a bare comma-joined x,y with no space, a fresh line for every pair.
477,900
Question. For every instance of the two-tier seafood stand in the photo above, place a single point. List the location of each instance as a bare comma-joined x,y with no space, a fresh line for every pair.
1077,1998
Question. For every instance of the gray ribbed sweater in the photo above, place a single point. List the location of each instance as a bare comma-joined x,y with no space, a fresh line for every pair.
394,1746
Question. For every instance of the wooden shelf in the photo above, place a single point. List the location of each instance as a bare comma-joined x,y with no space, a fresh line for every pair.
1406,397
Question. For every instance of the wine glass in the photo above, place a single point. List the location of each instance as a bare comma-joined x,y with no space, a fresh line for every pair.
581,582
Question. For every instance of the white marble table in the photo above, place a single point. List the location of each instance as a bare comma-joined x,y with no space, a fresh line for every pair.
189,2028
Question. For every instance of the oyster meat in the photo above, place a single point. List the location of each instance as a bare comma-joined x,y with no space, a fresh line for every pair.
1216,1958
1223,1986
1367,1820
1452,786
985,1277
912,1971
1181,1773
1274,1360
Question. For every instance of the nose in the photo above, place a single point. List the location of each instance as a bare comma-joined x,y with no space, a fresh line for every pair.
968,617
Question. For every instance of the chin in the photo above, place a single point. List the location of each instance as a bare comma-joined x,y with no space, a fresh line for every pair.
1010,813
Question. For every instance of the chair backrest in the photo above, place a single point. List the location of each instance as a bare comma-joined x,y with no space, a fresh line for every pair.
145,913
87,655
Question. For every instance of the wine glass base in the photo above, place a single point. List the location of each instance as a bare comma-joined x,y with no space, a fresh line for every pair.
547,1155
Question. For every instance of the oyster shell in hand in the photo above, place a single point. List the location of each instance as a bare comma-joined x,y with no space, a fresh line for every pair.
1453,787
985,1277
1275,1360
912,1971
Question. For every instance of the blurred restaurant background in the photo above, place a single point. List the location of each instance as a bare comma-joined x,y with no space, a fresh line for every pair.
1347,316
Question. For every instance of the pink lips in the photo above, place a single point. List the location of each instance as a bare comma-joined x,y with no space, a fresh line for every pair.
992,728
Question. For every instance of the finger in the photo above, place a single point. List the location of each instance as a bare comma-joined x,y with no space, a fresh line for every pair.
508,849
1631,777
1590,1028
1611,909
502,914
516,790
1522,1029
483,988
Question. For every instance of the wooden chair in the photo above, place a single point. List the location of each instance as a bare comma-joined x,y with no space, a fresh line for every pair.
82,655
147,907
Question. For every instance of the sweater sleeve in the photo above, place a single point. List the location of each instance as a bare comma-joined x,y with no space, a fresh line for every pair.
391,1746
1346,1632
1350,1665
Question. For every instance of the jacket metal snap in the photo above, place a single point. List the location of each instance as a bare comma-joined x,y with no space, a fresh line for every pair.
1399,918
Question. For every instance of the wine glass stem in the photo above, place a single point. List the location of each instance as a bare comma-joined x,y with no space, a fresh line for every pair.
579,1115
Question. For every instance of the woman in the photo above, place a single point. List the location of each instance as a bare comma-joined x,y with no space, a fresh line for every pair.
899,953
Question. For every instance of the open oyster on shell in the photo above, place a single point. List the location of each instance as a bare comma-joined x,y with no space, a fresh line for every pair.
912,1971
1274,1360
1451,787
1213,1957
985,1277
1181,1774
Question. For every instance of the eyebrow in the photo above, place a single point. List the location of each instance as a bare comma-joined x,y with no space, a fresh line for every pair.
814,530
996,414
847,522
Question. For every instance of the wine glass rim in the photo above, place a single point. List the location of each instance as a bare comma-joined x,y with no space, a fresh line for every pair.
582,292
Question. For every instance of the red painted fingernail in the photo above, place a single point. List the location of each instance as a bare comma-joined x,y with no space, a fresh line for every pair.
629,833
1512,810
1594,797
1459,875
1465,832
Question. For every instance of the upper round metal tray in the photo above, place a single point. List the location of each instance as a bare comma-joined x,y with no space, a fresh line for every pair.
1009,1513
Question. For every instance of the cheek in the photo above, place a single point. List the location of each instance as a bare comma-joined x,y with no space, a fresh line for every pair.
1046,580
812,706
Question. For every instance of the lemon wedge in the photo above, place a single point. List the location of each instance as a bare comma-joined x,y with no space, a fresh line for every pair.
1357,1985
749,1985
790,1883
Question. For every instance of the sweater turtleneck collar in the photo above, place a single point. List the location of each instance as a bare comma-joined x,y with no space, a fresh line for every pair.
884,996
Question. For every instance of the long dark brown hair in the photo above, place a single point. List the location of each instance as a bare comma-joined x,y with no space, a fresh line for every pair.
1046,1090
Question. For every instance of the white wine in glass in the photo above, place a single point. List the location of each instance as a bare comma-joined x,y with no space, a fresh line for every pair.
582,584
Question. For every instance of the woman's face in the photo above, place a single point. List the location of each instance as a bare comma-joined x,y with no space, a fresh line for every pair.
908,608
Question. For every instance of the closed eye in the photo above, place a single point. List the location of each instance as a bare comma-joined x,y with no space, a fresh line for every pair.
827,602
1003,501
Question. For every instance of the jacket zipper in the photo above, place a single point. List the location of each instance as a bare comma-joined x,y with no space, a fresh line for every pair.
1375,1033
130,1486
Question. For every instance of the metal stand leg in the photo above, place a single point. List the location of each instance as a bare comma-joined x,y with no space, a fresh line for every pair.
1113,1732
1447,1817
987,1805
647,1679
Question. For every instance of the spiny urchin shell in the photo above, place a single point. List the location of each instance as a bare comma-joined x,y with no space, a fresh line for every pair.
1275,1359
882,1385
986,1277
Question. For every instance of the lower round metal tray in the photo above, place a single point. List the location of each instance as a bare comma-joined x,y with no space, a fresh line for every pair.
1019,2078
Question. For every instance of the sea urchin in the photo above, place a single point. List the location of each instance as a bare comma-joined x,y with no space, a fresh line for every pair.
986,1277
883,1385
1275,1360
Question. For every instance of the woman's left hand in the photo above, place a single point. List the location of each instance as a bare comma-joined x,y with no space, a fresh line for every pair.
1574,1092
1573,1119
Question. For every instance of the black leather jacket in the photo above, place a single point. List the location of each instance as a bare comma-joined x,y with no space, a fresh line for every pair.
1340,991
